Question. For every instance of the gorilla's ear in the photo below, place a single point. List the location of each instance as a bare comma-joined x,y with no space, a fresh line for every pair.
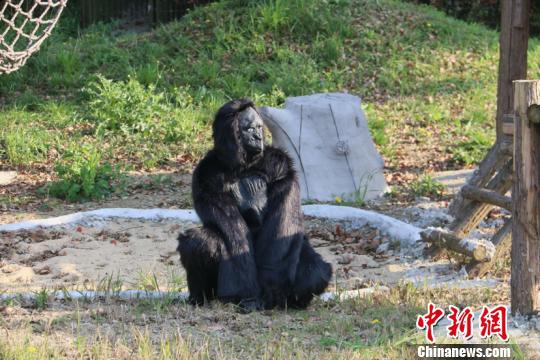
226,132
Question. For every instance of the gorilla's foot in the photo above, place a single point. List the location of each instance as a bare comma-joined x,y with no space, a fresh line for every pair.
246,306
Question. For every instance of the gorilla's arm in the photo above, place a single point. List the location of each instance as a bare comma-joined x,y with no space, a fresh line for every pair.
217,210
279,241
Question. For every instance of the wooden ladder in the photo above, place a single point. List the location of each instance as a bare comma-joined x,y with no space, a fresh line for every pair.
485,189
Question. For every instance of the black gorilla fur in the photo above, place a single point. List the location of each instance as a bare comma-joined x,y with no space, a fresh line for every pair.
251,249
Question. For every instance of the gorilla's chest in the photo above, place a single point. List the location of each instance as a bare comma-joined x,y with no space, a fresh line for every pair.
250,195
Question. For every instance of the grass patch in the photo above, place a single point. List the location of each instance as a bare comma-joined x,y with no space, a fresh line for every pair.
379,326
427,186
83,176
150,97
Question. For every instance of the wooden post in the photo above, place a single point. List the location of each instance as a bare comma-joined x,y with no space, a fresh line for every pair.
525,284
513,54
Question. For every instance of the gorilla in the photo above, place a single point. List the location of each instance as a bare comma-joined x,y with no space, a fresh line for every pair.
251,249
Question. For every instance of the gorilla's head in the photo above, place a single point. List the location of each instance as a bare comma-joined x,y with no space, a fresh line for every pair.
251,130
238,132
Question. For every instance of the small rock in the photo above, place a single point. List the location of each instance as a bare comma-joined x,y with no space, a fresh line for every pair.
362,243
345,259
383,248
101,311
10,268
316,242
43,271
7,177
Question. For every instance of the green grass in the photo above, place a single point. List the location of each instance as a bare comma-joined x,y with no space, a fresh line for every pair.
427,186
380,326
149,97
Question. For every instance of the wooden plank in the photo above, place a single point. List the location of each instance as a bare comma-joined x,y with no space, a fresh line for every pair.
475,211
513,54
486,196
525,283
497,156
502,241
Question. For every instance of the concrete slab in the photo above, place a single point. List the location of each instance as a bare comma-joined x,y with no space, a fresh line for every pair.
328,138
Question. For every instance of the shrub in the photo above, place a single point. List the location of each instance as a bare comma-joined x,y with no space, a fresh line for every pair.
125,106
83,176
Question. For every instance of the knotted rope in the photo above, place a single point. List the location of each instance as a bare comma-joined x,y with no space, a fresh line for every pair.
24,25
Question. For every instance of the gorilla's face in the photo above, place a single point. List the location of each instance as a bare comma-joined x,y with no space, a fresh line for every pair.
251,131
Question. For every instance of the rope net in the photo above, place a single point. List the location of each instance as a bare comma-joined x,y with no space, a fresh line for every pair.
24,25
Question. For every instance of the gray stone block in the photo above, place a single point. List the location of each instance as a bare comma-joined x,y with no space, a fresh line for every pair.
328,138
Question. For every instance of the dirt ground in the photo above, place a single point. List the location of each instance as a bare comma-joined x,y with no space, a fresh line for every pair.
142,255
120,254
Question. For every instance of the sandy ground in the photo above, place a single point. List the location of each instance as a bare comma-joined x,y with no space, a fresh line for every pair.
135,252
142,254
84,256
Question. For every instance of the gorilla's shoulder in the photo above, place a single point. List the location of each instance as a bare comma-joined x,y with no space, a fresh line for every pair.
208,166
278,162
272,153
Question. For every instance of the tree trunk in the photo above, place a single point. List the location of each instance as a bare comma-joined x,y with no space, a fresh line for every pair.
513,54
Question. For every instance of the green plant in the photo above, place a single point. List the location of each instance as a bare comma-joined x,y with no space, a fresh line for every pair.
377,128
110,285
358,197
474,148
41,299
427,186
125,106
24,146
158,181
83,176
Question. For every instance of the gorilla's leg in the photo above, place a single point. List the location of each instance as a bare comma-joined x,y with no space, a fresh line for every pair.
200,253
312,277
